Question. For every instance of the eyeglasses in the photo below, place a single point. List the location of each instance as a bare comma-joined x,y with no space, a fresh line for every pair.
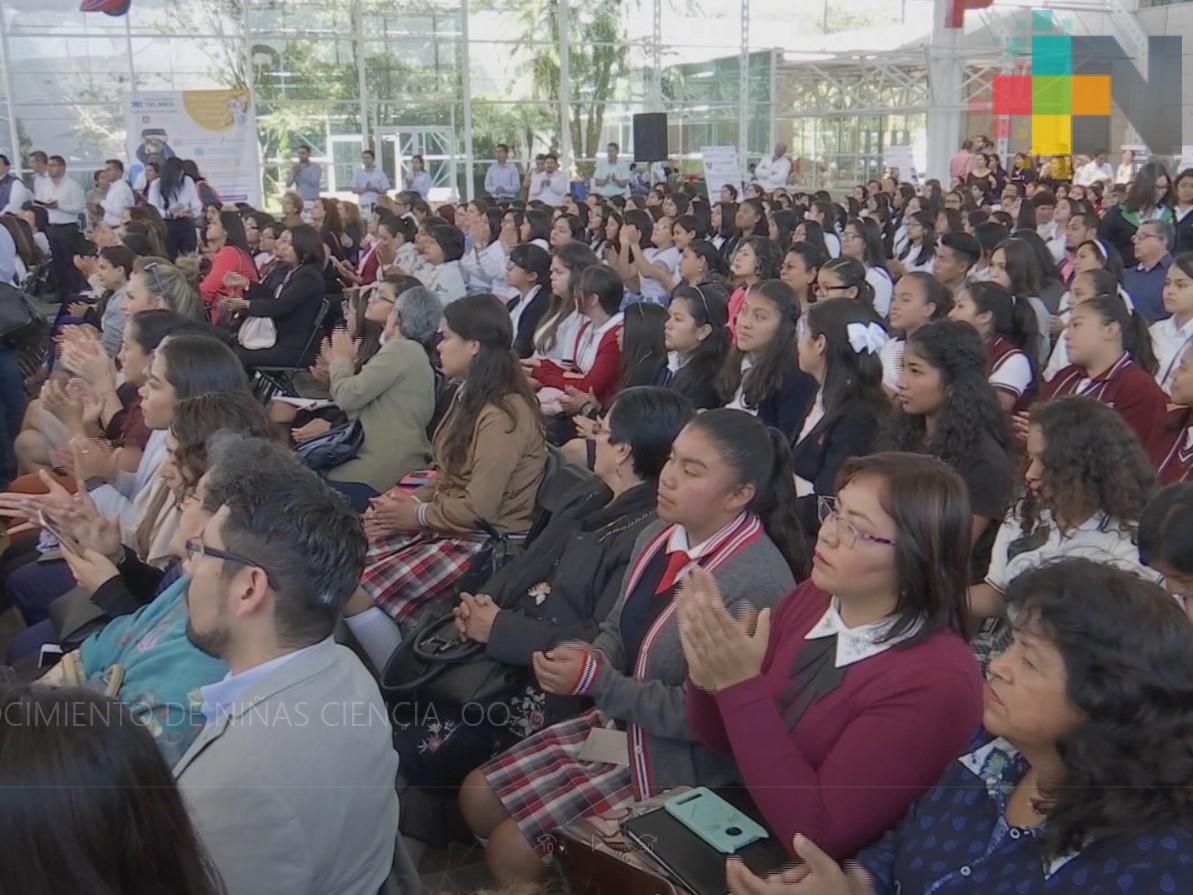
822,289
826,510
196,548
151,268
1140,237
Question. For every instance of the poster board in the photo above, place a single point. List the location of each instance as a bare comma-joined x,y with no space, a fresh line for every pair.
721,166
216,128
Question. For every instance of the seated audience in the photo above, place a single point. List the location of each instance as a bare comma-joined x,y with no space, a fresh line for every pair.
919,298
441,246
1093,690
527,276
1007,327
230,253
1171,336
696,337
1170,443
1164,546
828,698
724,504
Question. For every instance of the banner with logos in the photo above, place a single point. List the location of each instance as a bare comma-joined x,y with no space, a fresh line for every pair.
215,128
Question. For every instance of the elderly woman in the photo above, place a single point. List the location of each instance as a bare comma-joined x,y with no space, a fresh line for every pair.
392,391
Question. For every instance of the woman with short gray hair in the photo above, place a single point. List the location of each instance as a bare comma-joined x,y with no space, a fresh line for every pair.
392,393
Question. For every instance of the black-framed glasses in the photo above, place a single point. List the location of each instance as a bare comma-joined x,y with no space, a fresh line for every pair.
826,510
196,548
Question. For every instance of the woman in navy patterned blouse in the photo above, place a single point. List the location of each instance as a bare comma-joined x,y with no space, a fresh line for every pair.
1082,779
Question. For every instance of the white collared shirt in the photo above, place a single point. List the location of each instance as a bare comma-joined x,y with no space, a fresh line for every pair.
18,195
68,194
590,342
679,541
116,200
222,695
802,486
549,188
855,644
187,196
739,397
611,172
1169,342
523,302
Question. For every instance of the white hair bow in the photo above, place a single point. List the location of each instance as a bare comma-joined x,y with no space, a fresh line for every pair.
867,337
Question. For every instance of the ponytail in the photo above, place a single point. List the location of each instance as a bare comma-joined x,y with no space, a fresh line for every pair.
852,274
774,504
761,457
1012,318
1137,341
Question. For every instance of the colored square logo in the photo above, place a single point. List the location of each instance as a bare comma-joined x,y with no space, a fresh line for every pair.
1051,55
1051,95
1051,134
1091,94
1012,94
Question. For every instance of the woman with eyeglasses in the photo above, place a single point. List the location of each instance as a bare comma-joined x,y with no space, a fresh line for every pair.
845,278
861,241
828,709
1076,781
156,283
1148,199
945,407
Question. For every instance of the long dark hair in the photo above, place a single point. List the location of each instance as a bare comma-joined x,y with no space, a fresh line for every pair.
643,353
927,250
1137,340
169,180
89,803
494,376
971,408
1011,316
1128,673
814,236
765,378
850,377
200,365
199,418
577,258
852,274
929,503
540,224
707,306
1045,263
1092,462
1141,196
760,456
233,225
728,219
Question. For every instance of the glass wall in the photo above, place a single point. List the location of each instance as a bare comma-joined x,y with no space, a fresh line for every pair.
407,76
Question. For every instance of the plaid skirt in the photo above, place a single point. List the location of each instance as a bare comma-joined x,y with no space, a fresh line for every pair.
545,786
405,571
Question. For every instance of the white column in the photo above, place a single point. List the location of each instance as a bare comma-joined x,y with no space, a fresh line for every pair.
362,84
743,90
565,89
466,75
13,130
946,73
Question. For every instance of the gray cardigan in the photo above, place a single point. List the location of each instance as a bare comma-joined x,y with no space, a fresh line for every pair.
758,573
393,396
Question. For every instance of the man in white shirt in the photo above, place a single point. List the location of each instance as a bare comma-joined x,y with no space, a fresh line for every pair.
1099,170
502,180
369,182
290,784
612,176
64,201
552,185
772,173
119,196
305,177
13,193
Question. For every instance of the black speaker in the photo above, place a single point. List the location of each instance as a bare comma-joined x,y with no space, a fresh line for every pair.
650,137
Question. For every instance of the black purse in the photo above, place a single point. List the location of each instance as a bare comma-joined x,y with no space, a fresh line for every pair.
332,448
18,317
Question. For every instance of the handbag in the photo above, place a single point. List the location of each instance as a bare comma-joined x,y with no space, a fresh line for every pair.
17,313
257,333
332,448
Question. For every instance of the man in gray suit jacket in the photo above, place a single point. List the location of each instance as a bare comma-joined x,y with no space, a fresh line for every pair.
291,782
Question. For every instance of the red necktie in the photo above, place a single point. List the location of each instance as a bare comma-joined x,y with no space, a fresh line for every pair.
676,560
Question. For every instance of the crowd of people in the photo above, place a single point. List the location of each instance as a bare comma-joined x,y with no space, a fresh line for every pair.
871,507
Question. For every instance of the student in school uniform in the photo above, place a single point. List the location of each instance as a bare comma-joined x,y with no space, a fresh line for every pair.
527,273
919,299
1171,443
1112,362
1007,325
1171,336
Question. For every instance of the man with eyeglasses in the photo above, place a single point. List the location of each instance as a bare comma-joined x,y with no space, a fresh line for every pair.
1145,281
291,781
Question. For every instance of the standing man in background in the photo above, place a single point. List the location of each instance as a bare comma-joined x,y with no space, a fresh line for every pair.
612,176
772,172
502,180
119,196
305,177
64,201
369,182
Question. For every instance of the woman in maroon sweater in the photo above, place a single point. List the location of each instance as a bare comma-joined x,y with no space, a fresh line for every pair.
849,703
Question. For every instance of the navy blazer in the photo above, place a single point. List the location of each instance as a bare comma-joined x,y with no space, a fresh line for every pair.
528,322
293,311
818,458
785,409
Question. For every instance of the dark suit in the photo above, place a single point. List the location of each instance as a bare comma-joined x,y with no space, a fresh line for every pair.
785,409
293,311
529,319
819,456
